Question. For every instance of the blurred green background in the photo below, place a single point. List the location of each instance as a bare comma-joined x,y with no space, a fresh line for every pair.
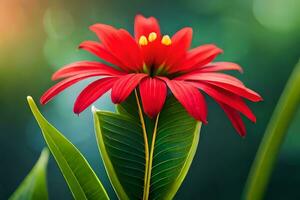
38,36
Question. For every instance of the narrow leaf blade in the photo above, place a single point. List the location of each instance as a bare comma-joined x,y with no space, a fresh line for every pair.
34,186
81,179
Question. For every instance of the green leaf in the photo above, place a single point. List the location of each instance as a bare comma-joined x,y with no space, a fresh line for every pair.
122,147
34,186
275,135
78,174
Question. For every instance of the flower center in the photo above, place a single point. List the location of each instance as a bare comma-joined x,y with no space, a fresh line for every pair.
151,66
152,36
165,40
143,41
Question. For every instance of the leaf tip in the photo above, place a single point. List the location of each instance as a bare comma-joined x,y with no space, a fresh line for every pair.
29,98
45,152
94,109
31,102
33,107
44,156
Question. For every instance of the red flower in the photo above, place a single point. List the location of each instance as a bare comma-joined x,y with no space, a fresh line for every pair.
154,62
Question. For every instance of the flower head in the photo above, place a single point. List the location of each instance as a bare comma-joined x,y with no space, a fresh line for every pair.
154,62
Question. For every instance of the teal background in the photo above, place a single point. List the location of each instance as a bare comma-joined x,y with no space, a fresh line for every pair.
37,37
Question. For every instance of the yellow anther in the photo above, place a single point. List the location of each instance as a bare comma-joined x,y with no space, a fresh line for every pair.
143,41
166,40
152,36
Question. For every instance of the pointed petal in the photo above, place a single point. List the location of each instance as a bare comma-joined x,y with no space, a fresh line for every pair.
211,76
183,38
60,86
85,67
93,92
198,57
124,86
238,90
107,34
153,94
235,119
190,97
181,42
223,81
131,49
229,99
202,55
221,66
99,50
144,26
121,44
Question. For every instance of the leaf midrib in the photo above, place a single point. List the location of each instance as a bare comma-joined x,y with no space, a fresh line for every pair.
103,152
69,168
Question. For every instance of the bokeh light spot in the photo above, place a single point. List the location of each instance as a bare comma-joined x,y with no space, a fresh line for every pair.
278,15
58,23
53,52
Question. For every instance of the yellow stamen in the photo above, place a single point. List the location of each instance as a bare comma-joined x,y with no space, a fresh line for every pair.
152,36
166,40
143,40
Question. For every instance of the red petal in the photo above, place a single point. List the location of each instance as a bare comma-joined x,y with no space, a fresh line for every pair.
144,26
190,97
124,86
155,53
99,50
235,119
198,57
153,94
60,86
221,66
107,34
85,67
238,90
214,77
181,42
131,50
223,81
229,99
92,92
121,44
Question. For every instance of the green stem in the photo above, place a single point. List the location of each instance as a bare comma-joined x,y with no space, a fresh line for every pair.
146,190
151,156
148,156
274,136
